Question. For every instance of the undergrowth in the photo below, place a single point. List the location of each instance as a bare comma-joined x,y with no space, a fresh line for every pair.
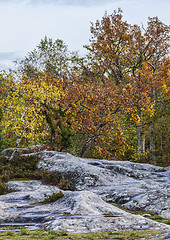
24,167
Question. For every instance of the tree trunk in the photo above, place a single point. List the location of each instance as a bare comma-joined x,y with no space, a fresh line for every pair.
143,142
16,148
140,134
84,148
51,126
52,138
152,145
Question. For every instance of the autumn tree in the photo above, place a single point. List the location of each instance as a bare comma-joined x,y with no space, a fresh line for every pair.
130,56
92,115
70,117
52,61
4,89
1,115
120,87
157,34
24,107
160,123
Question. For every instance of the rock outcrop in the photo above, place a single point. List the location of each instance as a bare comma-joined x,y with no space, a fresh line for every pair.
97,184
136,186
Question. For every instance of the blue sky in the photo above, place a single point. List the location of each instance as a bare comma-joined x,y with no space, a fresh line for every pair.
25,22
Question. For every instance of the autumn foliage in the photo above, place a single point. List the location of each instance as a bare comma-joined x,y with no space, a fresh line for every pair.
106,104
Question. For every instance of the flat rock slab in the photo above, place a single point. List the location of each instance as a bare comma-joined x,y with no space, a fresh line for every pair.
97,184
77,211
137,186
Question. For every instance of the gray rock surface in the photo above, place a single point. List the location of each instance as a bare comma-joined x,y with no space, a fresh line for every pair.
97,184
77,211
136,186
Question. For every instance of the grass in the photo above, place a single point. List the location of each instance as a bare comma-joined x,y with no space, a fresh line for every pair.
48,235
149,214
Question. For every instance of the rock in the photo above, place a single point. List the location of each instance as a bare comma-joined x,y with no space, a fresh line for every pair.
97,184
25,193
83,173
101,224
77,211
136,186
166,236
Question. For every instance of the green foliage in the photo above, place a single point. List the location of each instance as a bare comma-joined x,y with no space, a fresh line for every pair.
67,138
47,235
161,129
147,214
2,138
52,198
29,162
53,234
24,232
50,57
142,157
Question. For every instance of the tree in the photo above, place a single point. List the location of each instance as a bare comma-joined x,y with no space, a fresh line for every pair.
49,57
93,111
157,34
1,115
120,86
51,61
121,53
25,105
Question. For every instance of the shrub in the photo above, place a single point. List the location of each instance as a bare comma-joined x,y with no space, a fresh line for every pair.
56,179
52,198
3,188
24,167
20,167
26,161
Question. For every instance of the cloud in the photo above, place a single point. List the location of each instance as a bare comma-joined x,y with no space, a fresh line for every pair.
7,59
83,3
26,22
76,2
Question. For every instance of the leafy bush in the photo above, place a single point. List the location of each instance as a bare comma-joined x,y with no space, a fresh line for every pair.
19,167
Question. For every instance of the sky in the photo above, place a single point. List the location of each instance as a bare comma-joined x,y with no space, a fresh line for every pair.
23,23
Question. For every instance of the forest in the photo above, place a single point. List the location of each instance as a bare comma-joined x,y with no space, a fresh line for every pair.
112,103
